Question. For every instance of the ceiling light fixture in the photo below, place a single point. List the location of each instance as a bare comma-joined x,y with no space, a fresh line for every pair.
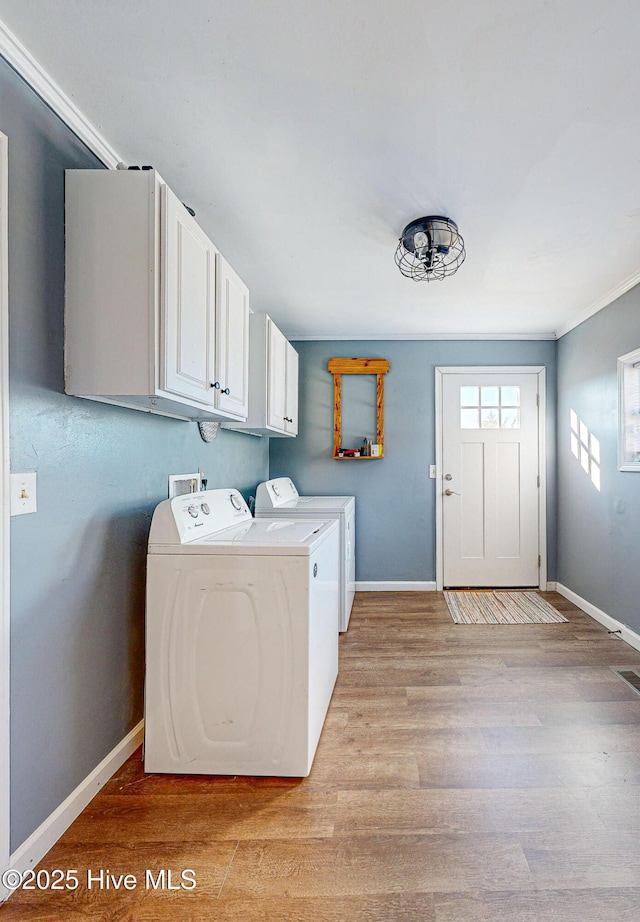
430,248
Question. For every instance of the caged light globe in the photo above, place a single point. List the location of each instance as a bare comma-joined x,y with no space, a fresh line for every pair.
430,248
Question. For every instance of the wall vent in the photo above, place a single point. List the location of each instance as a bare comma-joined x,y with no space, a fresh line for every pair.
630,675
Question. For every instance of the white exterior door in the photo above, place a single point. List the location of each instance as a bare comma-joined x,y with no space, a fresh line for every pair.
490,479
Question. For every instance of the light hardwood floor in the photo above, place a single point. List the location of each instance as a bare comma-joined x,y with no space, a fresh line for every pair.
464,774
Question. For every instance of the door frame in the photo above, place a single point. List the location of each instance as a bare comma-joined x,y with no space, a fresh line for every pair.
5,505
540,372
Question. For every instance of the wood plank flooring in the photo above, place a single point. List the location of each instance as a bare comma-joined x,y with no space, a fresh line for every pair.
485,773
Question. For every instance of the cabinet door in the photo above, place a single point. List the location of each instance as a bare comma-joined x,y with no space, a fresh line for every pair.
188,305
232,350
291,403
276,378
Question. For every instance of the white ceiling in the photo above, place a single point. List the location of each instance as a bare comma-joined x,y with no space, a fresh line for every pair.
307,134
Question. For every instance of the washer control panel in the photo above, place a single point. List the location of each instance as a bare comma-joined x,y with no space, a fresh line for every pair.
199,514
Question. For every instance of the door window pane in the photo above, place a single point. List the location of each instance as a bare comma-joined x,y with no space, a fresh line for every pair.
490,396
469,397
469,419
510,396
510,418
490,418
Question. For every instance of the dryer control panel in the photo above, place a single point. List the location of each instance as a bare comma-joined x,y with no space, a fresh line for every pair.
274,494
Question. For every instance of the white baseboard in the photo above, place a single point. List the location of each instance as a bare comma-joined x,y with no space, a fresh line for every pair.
47,834
552,586
602,617
391,586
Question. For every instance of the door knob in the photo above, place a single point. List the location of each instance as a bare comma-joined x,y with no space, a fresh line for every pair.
449,492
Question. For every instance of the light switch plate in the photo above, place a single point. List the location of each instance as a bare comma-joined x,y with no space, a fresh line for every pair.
23,493
432,471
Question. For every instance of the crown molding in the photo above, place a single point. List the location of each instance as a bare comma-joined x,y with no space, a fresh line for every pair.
388,337
23,62
617,292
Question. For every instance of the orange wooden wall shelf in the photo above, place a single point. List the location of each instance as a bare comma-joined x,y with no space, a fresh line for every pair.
341,366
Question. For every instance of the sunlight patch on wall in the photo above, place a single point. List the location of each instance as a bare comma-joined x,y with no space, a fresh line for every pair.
585,447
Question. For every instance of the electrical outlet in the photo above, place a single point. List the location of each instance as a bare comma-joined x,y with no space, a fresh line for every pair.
23,493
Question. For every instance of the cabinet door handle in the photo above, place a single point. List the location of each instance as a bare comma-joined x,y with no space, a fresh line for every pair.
225,390
216,385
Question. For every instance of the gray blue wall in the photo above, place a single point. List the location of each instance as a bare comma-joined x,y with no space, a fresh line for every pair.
598,531
395,524
78,564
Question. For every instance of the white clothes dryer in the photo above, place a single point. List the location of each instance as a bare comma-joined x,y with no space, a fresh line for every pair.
241,637
280,497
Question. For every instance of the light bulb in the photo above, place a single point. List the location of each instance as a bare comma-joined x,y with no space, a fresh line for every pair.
420,240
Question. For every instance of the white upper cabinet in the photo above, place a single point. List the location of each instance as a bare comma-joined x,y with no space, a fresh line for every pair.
276,377
155,317
189,305
232,339
282,394
291,401
273,382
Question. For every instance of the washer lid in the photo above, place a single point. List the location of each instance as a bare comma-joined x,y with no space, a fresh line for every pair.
258,537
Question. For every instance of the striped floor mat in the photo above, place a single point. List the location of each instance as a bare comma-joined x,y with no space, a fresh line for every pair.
490,607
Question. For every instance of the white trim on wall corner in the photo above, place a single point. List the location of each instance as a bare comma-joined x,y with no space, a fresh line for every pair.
47,834
23,62
410,337
602,617
617,292
391,586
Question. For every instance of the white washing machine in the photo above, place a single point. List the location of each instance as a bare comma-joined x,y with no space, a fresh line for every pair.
279,497
241,637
